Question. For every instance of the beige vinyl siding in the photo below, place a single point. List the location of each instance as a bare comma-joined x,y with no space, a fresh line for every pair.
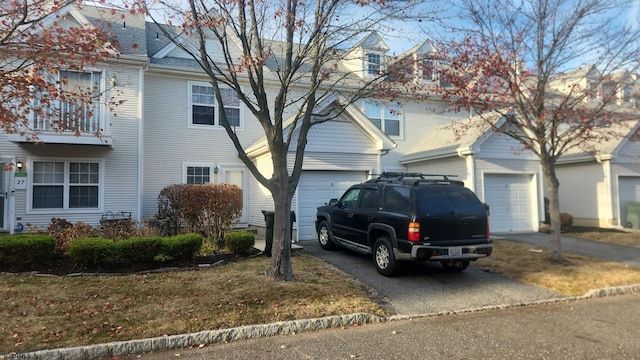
453,165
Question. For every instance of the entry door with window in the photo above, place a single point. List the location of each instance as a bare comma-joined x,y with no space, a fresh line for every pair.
236,176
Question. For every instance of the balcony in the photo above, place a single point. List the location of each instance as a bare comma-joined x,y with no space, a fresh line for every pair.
74,125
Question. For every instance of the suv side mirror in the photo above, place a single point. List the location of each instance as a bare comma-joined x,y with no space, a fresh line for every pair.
333,202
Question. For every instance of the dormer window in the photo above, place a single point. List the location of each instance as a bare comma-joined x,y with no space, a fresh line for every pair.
374,63
428,70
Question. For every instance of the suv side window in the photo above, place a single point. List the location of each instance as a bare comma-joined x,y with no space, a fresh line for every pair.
465,201
369,198
397,198
350,198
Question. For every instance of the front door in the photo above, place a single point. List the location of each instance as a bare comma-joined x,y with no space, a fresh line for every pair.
236,176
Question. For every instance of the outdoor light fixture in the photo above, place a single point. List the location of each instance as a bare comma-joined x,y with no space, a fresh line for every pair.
215,170
19,165
113,80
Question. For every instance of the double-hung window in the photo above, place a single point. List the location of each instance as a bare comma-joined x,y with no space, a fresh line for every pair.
429,70
77,108
66,185
387,117
205,110
374,64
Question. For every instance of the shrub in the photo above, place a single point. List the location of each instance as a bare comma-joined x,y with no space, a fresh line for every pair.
92,252
208,209
21,251
239,242
120,228
181,248
566,221
66,232
137,250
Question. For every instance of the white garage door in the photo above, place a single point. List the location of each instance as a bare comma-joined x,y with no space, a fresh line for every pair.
511,202
315,189
629,189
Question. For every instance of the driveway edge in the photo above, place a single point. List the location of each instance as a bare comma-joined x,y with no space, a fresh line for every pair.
207,337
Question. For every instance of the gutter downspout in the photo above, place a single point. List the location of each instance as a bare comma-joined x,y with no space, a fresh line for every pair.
140,159
467,153
605,160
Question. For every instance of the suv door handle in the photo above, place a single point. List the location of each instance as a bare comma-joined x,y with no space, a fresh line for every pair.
371,218
350,215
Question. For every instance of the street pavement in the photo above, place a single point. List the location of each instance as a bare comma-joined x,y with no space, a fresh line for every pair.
598,328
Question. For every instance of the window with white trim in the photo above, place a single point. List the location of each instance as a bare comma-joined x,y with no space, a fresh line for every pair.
428,69
387,117
65,185
204,109
373,64
198,174
81,109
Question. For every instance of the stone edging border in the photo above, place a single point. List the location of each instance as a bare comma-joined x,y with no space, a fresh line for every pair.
202,338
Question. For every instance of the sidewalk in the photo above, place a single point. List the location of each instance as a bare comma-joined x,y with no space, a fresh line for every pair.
610,252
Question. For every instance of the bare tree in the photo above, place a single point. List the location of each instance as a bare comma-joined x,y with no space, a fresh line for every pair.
282,58
520,59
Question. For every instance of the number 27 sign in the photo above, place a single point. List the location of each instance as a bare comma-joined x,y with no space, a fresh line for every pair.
20,181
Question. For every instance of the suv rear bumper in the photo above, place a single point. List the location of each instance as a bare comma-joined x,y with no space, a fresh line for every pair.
440,253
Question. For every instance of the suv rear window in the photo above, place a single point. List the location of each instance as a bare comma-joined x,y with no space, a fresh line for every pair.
440,201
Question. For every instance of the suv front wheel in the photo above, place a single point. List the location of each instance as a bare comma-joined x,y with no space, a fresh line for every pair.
383,257
324,236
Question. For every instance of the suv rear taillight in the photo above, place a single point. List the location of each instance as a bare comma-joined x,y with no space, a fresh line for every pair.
414,231
488,232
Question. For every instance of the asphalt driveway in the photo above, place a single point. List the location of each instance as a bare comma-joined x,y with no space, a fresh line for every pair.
423,288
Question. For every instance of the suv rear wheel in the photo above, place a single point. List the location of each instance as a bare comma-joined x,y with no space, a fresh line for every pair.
383,257
455,265
324,236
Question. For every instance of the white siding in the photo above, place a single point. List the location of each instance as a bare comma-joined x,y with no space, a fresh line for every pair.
120,163
446,166
500,146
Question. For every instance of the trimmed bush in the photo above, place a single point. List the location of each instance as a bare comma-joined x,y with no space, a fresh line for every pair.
239,242
137,250
92,252
20,251
181,248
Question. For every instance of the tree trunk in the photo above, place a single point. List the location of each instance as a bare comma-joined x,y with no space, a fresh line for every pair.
281,268
553,185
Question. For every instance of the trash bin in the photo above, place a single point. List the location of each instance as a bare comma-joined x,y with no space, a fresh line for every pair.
633,215
268,219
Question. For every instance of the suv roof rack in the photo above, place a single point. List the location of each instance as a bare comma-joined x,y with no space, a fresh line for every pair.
415,178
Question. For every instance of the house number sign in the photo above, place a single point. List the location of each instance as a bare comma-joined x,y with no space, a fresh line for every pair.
20,181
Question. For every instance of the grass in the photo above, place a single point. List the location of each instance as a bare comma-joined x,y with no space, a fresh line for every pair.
52,312
575,277
611,236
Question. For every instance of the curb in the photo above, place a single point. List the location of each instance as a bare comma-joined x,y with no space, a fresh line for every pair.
203,338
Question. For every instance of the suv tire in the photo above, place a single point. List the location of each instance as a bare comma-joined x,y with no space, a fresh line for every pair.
455,265
324,236
383,257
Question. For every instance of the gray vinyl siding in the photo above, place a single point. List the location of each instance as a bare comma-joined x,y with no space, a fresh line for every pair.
499,146
118,165
169,142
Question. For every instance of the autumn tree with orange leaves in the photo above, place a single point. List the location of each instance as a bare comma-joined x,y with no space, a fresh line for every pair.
515,59
36,43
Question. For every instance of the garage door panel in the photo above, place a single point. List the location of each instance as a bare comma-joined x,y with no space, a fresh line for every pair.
315,189
629,191
509,197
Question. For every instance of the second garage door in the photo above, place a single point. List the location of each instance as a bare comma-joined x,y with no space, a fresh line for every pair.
511,201
315,189
629,190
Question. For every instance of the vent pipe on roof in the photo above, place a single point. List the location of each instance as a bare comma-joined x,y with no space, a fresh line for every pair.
124,24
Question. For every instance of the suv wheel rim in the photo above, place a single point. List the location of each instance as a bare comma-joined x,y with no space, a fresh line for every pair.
382,257
324,236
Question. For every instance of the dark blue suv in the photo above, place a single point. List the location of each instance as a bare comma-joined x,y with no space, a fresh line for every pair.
408,216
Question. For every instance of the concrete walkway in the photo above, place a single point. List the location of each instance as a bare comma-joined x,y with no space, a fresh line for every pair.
610,252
